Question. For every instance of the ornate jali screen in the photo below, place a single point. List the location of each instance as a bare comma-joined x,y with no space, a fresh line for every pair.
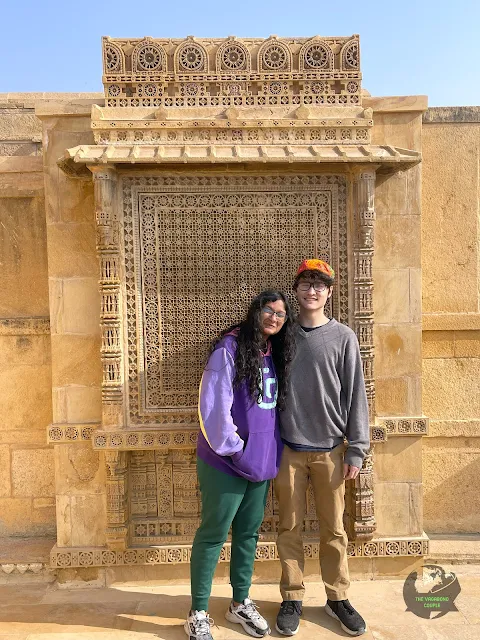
197,249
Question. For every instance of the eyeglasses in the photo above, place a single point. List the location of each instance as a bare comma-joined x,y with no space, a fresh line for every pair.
280,315
320,287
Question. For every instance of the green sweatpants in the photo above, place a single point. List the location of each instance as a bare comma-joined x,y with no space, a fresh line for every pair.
226,501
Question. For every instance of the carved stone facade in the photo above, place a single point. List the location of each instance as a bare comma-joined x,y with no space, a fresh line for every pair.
179,256
232,72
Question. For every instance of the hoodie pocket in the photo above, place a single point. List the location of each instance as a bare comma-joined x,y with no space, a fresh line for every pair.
258,460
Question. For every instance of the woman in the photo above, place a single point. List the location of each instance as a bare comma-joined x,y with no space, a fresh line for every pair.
239,451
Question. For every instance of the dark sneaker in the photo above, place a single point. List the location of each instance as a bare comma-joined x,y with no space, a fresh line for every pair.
288,618
197,626
247,615
350,620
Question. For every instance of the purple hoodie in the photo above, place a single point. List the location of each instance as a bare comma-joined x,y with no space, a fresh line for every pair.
239,435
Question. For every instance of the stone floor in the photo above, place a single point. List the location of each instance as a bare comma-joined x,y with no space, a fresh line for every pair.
144,611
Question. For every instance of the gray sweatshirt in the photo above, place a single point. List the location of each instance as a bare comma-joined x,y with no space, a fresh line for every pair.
326,398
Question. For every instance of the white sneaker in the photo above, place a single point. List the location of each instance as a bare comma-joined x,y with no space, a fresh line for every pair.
197,626
247,615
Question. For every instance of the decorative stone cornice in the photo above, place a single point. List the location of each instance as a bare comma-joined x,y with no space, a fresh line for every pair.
64,558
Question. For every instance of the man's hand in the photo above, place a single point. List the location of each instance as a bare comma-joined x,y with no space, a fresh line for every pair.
350,472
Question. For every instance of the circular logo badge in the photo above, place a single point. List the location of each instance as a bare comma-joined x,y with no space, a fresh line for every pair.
431,594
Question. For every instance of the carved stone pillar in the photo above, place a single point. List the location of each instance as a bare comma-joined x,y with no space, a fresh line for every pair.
108,249
117,512
110,314
359,511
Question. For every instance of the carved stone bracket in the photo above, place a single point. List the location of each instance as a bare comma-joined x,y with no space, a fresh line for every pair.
117,511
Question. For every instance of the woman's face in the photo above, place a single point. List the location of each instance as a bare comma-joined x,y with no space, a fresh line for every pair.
273,316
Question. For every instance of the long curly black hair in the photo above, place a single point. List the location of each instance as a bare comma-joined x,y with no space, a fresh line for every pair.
250,341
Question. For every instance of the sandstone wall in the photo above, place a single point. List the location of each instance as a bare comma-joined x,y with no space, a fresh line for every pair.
27,492
397,330
451,318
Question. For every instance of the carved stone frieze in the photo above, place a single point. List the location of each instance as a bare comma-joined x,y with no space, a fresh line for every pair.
68,433
63,558
201,72
404,426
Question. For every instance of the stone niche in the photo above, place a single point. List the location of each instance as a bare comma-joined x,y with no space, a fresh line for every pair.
217,166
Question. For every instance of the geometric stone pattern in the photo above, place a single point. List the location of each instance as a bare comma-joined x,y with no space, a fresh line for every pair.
68,433
403,426
165,501
231,72
21,568
171,265
164,440
62,558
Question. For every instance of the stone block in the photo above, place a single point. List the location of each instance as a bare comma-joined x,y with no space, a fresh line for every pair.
414,395
391,302
450,388
392,508
32,473
451,497
399,460
81,520
76,360
59,404
44,503
391,396
26,397
415,295
467,344
391,195
24,257
397,567
76,197
398,350
83,404
437,344
24,350
402,130
78,470
397,242
71,250
5,483
416,508
75,306
450,197
15,516
35,436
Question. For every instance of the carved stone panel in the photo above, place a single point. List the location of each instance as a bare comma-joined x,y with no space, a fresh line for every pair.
197,249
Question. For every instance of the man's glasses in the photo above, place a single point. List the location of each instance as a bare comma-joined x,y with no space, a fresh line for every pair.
319,287
280,315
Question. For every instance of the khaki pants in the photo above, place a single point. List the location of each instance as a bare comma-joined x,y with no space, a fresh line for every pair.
325,470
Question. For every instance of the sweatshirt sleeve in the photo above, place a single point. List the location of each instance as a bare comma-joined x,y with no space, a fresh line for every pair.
353,383
215,404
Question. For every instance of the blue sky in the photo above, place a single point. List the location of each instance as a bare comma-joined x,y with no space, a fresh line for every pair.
408,47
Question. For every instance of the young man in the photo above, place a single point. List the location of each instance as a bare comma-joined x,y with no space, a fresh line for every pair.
326,404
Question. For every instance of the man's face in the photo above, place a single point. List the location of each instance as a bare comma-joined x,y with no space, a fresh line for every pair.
312,294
